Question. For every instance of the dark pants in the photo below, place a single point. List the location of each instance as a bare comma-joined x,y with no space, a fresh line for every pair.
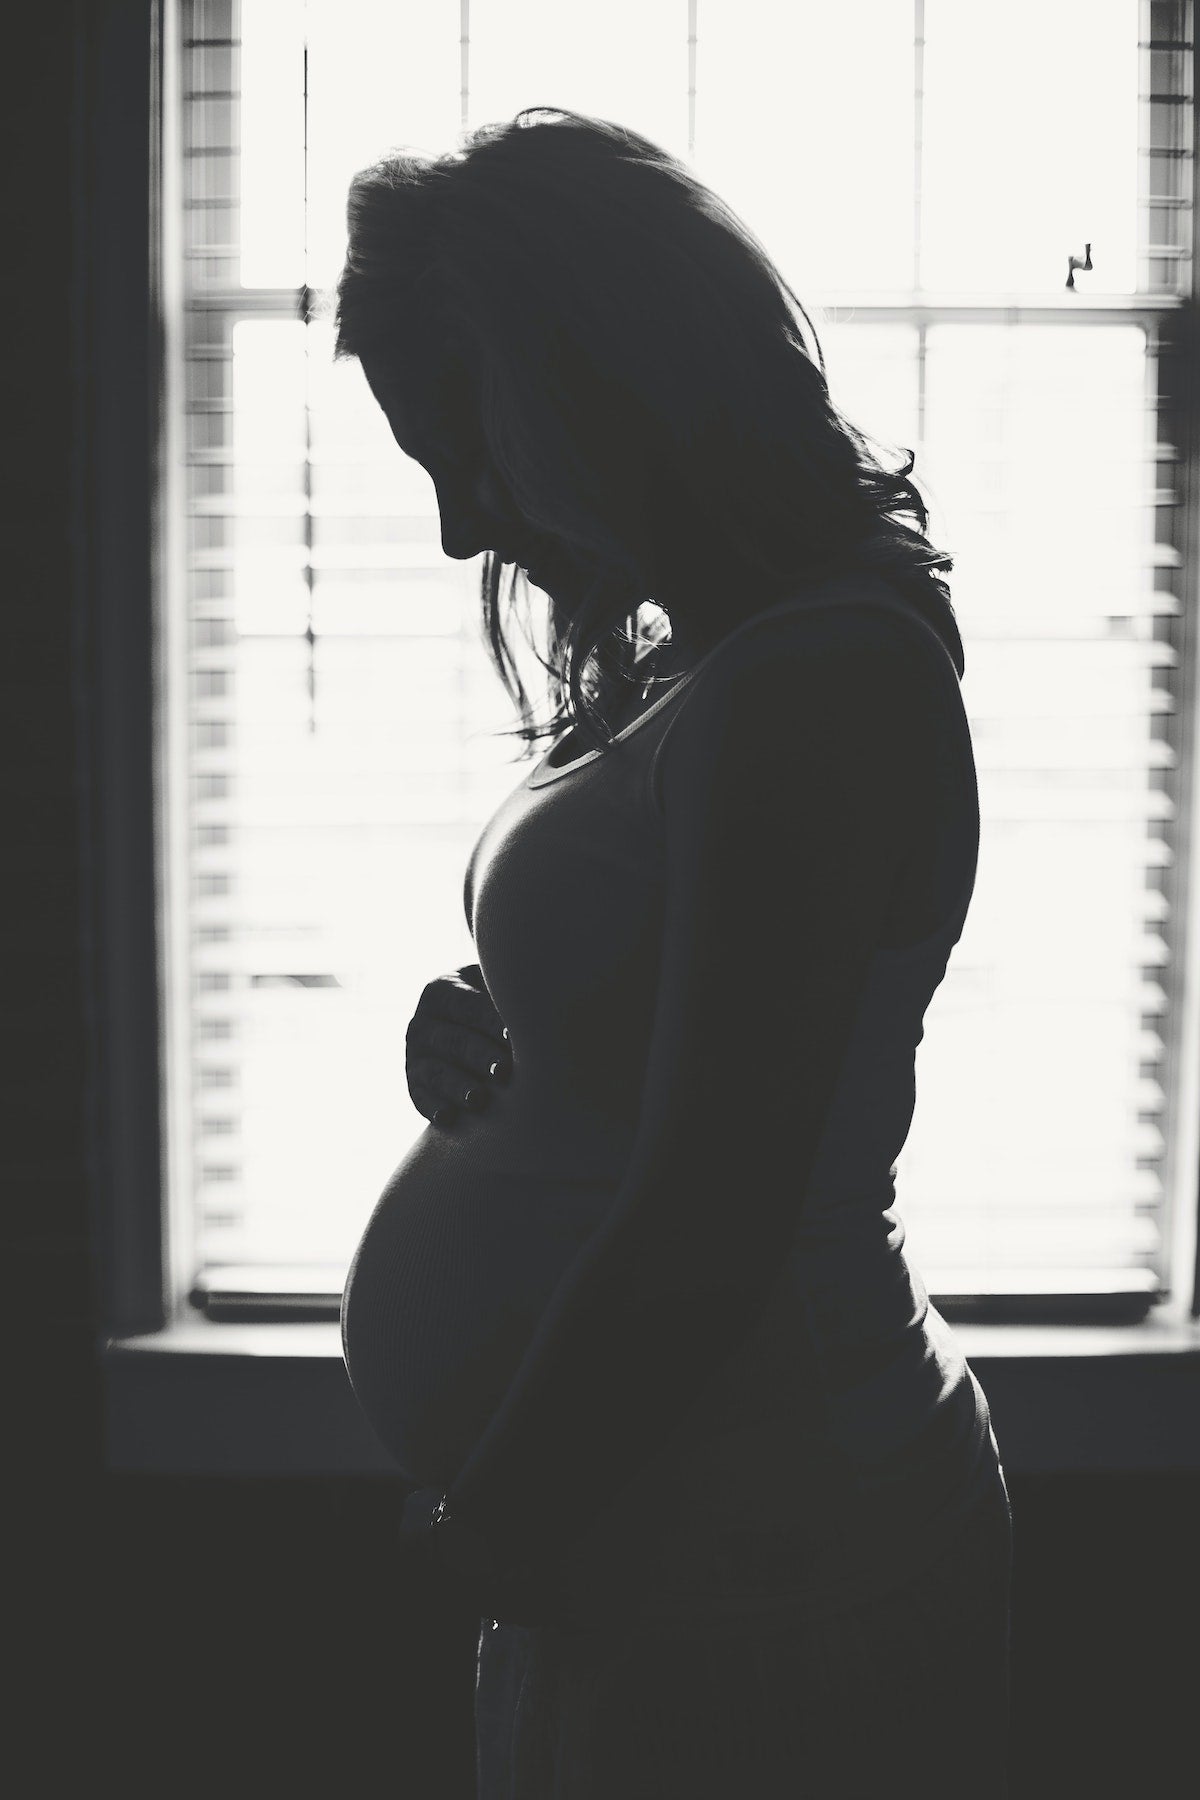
905,1695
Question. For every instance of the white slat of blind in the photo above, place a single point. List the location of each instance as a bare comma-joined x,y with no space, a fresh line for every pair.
337,785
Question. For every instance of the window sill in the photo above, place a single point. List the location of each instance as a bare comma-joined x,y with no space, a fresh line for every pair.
201,1398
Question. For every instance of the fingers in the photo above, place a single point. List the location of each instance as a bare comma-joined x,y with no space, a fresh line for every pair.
450,1083
452,998
438,1086
442,1101
456,1046
432,1105
469,1050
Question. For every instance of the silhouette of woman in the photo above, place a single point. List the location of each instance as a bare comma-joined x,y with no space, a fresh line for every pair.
634,1315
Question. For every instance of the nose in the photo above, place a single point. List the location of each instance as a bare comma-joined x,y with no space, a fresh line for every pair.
461,540
473,519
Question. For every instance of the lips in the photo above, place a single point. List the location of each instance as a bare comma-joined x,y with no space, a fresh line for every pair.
510,556
535,573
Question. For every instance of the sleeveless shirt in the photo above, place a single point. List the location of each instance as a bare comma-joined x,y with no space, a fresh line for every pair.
649,1318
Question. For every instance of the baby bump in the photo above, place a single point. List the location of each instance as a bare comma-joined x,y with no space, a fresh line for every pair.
461,1254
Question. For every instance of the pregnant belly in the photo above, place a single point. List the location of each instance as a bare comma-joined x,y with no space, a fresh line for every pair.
463,1250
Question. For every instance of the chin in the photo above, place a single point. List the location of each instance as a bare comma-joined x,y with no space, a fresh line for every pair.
549,577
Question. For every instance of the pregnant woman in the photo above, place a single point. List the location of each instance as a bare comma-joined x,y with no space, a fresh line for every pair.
634,1315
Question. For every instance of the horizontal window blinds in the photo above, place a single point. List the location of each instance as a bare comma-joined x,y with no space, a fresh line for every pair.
337,763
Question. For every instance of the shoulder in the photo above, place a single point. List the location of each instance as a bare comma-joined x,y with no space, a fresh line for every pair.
866,641
807,690
867,618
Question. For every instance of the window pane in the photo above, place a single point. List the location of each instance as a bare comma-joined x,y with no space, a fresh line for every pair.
872,374
1036,439
1030,144
272,143
339,763
804,123
358,795
1037,443
625,60
380,77
1035,447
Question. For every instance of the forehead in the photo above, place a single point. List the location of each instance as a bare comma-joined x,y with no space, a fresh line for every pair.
428,407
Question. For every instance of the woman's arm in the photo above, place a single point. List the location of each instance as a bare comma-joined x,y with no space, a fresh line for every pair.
790,780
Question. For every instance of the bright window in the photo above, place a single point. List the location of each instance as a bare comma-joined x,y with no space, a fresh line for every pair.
336,764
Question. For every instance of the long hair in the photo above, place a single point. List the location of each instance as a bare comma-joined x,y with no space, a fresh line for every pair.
642,384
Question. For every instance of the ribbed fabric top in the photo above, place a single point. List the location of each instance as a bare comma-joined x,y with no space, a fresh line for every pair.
606,1311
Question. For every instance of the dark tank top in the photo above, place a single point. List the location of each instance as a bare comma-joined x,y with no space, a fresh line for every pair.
832,1453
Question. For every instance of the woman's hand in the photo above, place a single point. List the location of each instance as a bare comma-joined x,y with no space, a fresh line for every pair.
455,1047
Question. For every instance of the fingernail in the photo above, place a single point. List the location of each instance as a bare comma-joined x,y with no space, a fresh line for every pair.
498,1071
475,1098
504,1033
444,1115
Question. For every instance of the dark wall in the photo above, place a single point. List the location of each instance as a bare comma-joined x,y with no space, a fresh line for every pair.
166,1627
51,1395
265,1610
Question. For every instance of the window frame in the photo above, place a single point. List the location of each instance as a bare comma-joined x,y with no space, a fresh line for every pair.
187,1393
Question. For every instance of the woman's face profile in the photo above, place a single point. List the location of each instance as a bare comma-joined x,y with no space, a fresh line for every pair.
475,508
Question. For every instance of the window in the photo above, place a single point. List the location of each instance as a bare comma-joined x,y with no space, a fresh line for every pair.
330,763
